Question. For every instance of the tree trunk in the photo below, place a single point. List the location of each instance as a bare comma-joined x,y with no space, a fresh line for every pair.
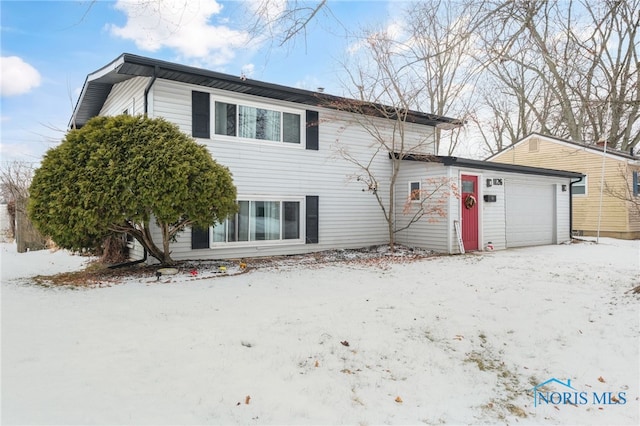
165,245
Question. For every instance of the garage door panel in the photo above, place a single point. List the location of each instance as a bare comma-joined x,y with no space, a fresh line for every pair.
530,214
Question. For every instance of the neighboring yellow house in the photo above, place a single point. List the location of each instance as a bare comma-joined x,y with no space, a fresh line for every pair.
615,210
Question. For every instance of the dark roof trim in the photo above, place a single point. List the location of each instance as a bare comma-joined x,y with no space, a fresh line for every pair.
99,83
488,165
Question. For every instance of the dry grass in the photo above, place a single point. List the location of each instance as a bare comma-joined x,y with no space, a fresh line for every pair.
98,274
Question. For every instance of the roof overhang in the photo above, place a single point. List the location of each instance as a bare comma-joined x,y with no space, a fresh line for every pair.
99,83
488,165
614,154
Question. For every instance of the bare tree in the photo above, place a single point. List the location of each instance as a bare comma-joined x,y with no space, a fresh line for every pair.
439,47
382,104
569,69
430,201
15,180
283,22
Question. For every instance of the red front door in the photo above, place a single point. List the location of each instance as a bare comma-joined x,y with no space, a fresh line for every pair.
469,200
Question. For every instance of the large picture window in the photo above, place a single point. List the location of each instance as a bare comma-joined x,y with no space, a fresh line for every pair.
260,221
257,123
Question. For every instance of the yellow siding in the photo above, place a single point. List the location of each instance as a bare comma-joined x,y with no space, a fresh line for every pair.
540,152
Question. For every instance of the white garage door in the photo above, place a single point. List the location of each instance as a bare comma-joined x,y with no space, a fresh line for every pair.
530,214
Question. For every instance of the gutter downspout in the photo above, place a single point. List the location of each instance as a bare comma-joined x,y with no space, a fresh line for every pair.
148,89
571,206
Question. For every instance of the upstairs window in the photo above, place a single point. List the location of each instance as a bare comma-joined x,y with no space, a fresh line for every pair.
257,123
636,183
225,119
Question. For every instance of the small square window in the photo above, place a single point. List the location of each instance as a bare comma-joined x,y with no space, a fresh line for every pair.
580,188
468,186
414,191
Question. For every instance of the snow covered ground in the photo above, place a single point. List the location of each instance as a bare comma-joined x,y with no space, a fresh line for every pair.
455,340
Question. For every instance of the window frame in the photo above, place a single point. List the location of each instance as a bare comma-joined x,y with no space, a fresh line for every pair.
411,192
254,199
301,113
583,183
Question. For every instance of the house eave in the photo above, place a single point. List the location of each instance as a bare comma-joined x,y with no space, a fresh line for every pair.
488,165
594,149
99,83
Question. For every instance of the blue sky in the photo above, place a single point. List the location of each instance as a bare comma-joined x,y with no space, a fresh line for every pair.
49,47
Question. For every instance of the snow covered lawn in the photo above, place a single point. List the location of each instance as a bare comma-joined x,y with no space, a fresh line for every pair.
456,340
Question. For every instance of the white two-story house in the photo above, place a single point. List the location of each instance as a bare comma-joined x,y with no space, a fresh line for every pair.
296,192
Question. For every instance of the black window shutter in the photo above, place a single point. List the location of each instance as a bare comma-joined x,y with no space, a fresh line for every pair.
635,183
312,219
312,130
199,238
200,114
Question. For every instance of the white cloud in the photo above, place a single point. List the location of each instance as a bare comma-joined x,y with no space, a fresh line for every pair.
248,70
181,25
16,76
268,12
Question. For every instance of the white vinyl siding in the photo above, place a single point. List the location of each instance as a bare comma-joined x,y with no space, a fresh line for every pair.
126,96
539,211
529,209
348,217
493,218
563,213
429,232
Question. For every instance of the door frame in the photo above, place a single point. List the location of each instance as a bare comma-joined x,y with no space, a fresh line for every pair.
479,204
